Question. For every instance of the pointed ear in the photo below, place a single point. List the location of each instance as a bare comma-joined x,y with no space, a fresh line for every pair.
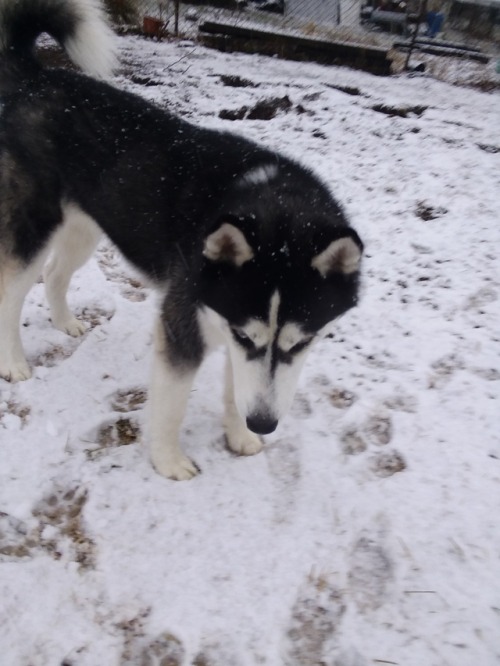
229,245
341,256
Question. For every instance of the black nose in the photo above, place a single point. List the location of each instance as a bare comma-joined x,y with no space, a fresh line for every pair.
262,424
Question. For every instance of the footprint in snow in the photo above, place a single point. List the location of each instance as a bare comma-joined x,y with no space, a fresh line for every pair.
216,653
95,315
14,415
15,539
361,432
62,531
387,463
111,435
301,407
54,354
283,459
128,400
164,650
315,619
370,574
374,430
114,269
339,397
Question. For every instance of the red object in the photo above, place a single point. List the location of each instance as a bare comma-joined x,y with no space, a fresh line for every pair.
153,27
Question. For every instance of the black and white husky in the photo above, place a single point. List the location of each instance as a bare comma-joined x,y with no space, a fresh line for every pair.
246,247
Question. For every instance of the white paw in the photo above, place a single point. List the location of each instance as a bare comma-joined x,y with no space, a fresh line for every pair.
15,372
180,468
73,327
243,442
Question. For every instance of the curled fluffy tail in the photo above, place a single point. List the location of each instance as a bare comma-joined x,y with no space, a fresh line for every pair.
80,26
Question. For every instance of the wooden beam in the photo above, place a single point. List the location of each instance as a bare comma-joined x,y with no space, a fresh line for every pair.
438,50
227,37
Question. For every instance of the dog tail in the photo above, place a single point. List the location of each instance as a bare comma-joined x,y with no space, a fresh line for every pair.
80,26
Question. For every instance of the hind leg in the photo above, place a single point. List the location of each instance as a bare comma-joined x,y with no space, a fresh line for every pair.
72,246
15,282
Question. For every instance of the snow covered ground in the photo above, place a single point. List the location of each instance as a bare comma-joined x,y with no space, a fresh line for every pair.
367,532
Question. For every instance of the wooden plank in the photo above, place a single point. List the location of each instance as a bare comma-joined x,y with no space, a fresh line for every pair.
432,49
226,36
439,43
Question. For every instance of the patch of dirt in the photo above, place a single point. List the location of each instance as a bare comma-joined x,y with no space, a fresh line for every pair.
484,85
387,463
269,108
489,148
300,109
353,443
60,530
233,114
315,619
348,90
265,109
342,398
123,432
400,111
140,650
16,410
383,360
133,289
52,356
95,316
62,509
129,400
318,134
111,265
428,212
234,81
144,81
133,631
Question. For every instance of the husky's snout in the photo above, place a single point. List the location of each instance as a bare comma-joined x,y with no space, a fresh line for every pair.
261,424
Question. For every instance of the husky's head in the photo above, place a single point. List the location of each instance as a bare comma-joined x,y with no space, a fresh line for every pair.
277,272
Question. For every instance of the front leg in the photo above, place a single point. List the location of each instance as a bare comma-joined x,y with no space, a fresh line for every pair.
238,437
169,394
15,282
